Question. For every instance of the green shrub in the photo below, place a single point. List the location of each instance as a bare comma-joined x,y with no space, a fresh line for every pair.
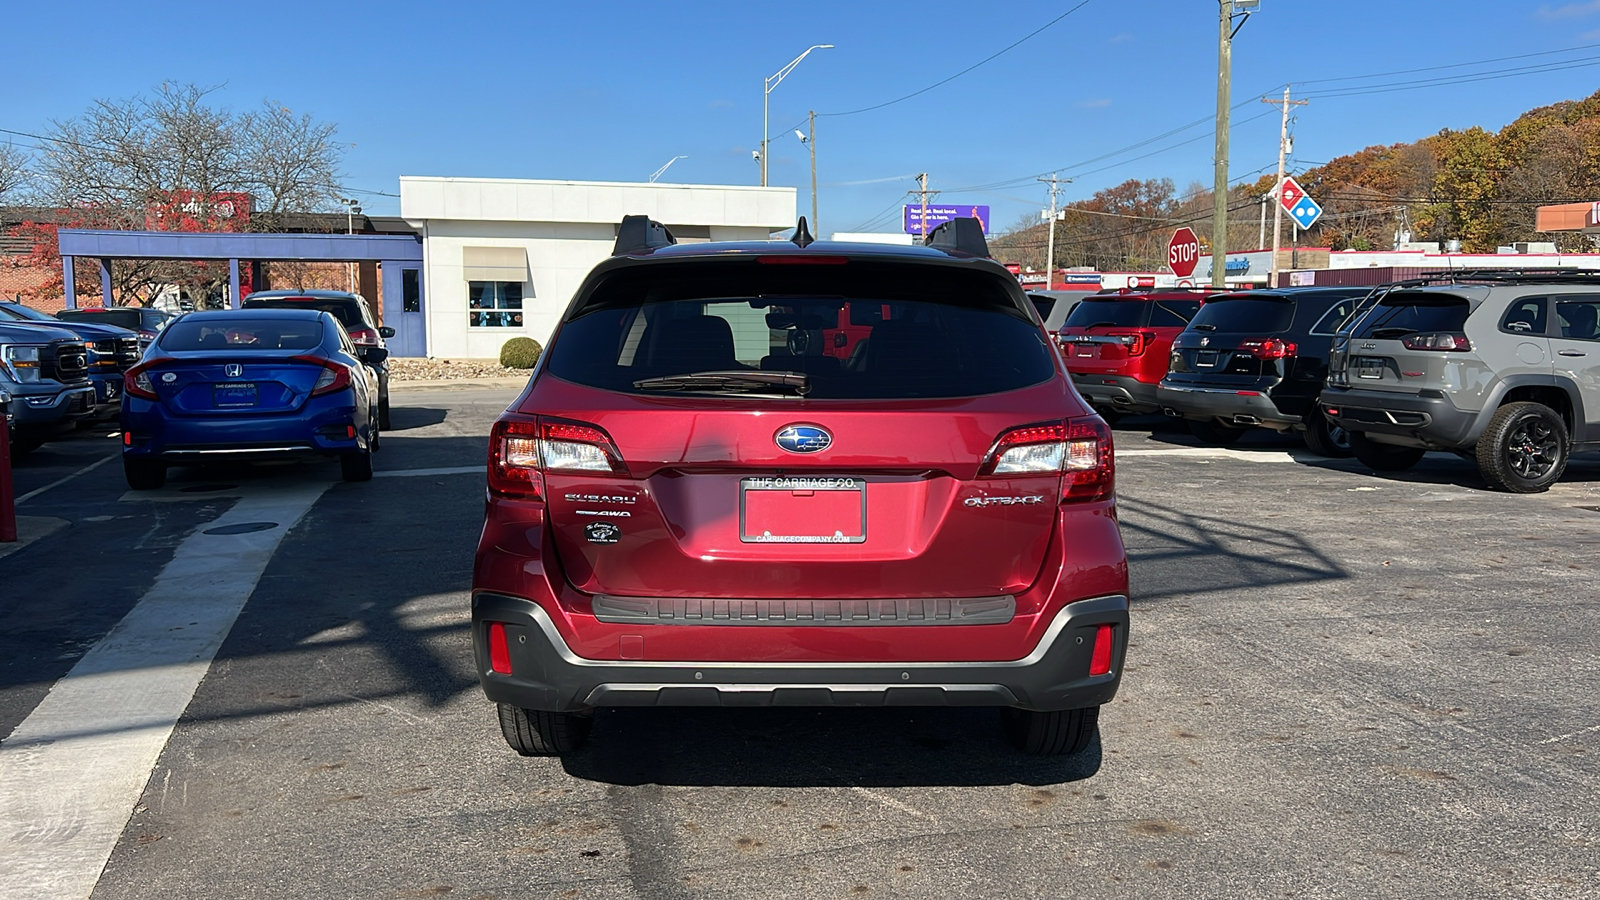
520,353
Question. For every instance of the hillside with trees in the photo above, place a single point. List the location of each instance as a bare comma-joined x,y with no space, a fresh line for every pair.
1476,186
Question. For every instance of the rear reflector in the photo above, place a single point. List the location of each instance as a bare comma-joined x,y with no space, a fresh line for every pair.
1099,663
127,439
500,651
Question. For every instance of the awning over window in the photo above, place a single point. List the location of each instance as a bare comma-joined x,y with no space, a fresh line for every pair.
495,264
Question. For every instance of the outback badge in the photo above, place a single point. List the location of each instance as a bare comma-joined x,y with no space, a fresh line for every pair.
804,438
602,533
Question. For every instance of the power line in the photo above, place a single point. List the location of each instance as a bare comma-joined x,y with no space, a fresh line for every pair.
1461,65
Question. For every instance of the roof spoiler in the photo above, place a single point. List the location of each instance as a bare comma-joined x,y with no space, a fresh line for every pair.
639,234
963,236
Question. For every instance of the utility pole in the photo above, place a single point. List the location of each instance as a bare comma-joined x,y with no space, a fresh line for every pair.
1219,191
811,131
1050,244
924,193
1277,189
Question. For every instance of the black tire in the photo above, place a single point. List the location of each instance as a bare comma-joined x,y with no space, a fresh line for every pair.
1525,448
1383,457
144,474
1063,733
1325,438
356,466
533,732
1215,433
383,415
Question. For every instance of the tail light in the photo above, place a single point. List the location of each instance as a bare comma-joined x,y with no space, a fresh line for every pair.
362,336
1437,340
334,377
522,449
136,382
1270,348
1079,450
1135,342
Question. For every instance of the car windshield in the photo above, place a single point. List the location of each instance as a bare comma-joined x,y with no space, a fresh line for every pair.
1109,313
343,310
241,333
1238,314
28,313
1408,312
855,331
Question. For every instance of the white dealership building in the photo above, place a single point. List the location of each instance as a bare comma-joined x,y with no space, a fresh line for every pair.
503,256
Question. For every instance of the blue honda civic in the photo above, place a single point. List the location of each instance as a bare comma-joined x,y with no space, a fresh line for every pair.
249,384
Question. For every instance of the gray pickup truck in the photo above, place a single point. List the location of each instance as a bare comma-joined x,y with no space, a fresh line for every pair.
46,372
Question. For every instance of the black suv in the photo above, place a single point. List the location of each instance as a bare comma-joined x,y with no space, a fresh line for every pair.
354,314
1258,359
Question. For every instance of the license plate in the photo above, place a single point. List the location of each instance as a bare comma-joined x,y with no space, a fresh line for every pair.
1207,358
802,510
226,396
1088,350
1371,369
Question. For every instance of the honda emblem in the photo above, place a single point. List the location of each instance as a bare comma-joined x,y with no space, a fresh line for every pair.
233,370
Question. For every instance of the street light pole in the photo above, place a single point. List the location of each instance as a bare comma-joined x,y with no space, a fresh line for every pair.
766,92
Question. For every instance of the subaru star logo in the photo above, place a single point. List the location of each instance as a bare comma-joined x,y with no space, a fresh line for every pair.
804,439
233,370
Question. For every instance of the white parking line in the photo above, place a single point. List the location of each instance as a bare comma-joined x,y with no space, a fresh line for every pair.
72,771
60,481
413,473
1267,456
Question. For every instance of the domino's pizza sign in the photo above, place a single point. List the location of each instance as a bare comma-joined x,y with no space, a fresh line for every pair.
1301,208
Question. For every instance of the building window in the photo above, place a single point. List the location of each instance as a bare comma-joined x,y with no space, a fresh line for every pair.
410,291
494,304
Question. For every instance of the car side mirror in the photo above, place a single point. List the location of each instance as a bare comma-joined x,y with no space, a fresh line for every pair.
385,331
374,355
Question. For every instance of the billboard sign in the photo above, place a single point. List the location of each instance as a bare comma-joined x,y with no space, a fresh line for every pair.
940,213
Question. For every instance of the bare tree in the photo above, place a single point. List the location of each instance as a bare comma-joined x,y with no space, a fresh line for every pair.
13,171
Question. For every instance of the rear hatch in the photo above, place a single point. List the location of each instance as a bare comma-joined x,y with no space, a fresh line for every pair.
1235,341
1124,334
1397,345
779,471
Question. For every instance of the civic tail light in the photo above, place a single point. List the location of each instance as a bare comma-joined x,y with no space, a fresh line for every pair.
362,336
1437,340
1135,342
1270,348
1079,450
136,382
334,377
522,449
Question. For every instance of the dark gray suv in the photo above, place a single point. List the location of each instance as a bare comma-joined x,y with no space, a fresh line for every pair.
1501,367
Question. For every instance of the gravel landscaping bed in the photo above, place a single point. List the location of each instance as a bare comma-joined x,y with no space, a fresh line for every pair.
411,369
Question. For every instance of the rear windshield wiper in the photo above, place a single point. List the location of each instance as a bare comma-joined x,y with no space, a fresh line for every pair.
730,382
1204,327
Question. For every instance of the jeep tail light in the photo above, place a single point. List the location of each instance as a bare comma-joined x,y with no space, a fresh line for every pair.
1077,449
136,381
522,449
500,649
1270,348
1099,661
1437,340
334,377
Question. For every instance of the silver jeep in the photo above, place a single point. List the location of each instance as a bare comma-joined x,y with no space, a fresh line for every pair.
1501,367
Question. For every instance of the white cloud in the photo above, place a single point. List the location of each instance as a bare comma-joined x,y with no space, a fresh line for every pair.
1570,10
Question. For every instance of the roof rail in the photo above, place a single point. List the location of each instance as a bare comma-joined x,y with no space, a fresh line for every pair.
802,234
963,235
639,234
1508,276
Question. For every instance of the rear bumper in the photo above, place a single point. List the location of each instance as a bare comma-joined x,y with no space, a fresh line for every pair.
547,675
318,428
1118,393
1234,406
1432,422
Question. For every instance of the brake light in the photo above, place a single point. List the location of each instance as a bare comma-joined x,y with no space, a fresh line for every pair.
500,649
803,260
1136,342
334,377
1078,449
136,382
1437,340
1270,348
363,336
1100,659
521,450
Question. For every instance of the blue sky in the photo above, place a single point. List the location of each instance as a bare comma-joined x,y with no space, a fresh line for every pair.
610,91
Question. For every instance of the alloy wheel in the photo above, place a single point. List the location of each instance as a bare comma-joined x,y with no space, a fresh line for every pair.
1532,448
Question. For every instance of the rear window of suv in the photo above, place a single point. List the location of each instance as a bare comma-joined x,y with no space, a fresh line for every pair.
1133,313
860,330
346,311
1239,314
1403,313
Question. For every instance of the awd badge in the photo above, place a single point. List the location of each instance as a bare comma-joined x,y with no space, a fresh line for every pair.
602,533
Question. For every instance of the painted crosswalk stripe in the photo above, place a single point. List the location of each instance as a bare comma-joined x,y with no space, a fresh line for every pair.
72,771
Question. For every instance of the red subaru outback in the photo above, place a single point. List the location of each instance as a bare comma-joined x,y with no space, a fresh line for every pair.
1117,346
683,510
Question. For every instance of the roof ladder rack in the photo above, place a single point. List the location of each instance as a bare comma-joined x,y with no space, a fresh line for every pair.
640,234
961,235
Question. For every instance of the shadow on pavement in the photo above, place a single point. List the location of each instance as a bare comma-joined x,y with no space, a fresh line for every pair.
810,747
407,417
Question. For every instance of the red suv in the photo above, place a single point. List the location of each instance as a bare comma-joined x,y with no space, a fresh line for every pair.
687,507
1117,346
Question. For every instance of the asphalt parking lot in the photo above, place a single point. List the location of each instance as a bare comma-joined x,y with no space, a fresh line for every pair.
1339,685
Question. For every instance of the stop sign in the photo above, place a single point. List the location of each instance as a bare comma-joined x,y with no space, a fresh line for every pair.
1183,252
